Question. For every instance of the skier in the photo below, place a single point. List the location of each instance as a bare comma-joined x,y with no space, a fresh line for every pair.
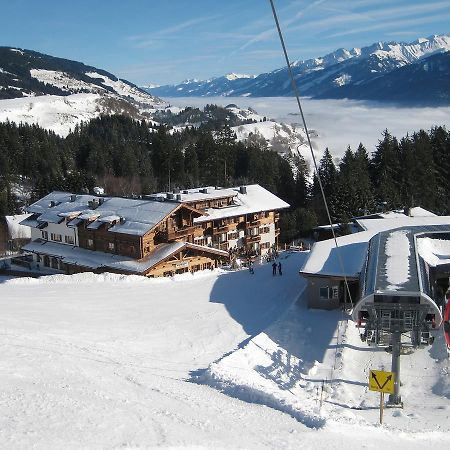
250,267
279,268
274,268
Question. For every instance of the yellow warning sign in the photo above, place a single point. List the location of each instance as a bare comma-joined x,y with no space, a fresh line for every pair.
381,381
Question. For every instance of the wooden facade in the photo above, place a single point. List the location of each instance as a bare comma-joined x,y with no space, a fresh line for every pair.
110,226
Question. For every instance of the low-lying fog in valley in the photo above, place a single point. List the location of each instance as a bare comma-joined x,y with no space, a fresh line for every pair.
339,123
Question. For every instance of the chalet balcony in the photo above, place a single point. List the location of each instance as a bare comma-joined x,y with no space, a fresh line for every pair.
173,235
221,229
252,239
255,223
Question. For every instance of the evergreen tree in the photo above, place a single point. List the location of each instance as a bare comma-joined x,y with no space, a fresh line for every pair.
328,176
440,145
386,172
302,187
424,186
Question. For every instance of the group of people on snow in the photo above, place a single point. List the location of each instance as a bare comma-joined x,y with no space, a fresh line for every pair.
276,266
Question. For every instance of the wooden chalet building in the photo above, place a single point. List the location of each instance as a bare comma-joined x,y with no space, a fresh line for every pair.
157,235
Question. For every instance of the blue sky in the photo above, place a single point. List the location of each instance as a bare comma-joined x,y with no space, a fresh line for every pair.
168,41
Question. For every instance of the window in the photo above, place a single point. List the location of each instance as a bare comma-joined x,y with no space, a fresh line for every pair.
111,246
56,237
264,245
90,243
45,235
68,240
328,293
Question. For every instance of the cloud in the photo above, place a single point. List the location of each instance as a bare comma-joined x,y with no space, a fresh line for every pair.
339,123
398,23
172,32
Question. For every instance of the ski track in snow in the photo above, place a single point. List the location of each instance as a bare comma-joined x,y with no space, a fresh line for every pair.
108,361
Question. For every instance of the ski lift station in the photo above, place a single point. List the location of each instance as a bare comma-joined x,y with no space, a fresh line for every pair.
397,267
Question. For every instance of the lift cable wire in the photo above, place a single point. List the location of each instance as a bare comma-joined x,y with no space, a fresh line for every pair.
297,95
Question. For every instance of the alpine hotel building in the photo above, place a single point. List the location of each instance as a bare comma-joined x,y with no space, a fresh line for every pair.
157,235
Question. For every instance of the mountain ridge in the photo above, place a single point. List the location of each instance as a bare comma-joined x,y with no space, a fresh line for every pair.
321,77
27,73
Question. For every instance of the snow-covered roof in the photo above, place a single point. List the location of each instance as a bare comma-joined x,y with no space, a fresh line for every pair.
324,259
15,229
256,199
417,211
95,260
434,251
131,216
198,194
138,216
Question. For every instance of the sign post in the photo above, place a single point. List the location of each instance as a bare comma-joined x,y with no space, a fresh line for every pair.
382,382
381,407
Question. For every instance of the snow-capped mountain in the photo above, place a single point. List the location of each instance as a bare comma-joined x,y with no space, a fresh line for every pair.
331,76
58,93
228,85
25,73
426,82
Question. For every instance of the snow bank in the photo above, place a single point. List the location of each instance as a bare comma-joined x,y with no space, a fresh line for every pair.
90,277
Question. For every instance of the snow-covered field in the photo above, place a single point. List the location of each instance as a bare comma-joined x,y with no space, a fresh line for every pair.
212,360
61,113
52,112
338,123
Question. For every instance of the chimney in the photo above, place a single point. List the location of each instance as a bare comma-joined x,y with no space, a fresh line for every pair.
101,201
178,197
73,197
170,196
243,189
122,220
93,204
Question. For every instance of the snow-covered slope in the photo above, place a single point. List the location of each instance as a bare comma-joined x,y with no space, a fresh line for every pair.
108,361
280,137
57,93
61,113
29,73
